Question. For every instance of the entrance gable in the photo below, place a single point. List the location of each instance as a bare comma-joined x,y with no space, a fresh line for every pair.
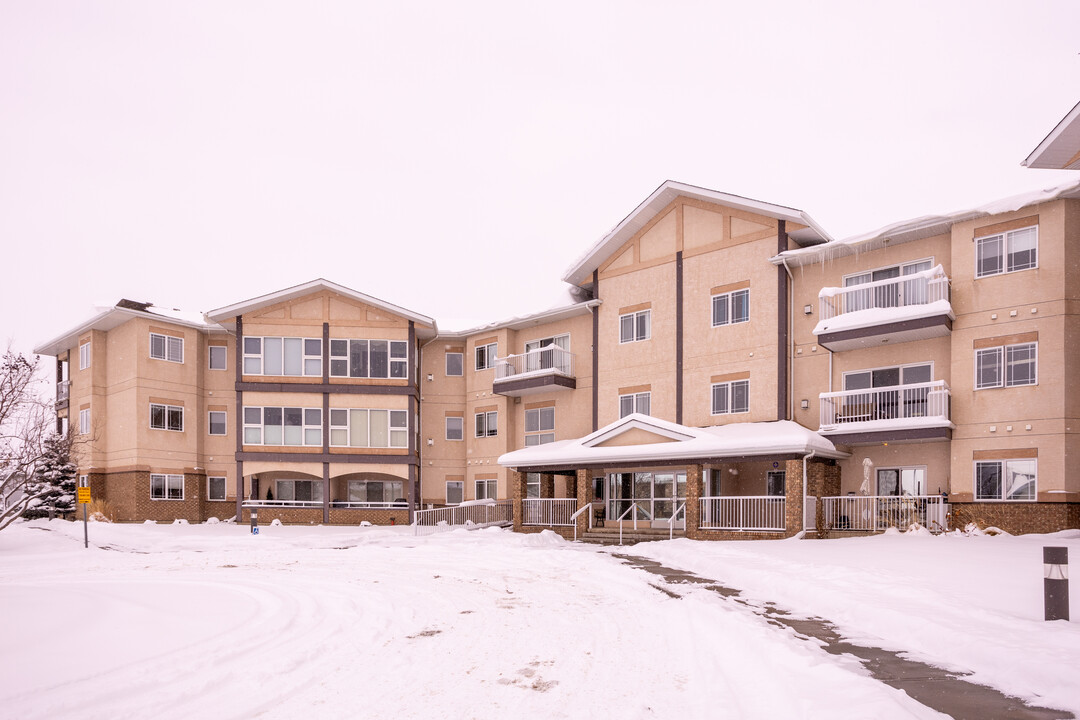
635,436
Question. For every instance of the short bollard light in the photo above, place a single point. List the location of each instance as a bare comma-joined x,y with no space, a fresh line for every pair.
254,521
1056,582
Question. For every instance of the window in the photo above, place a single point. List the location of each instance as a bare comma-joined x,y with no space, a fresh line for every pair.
896,481
166,347
634,327
284,356
487,424
539,426
219,359
731,397
455,428
307,491
84,355
376,491
634,403
84,421
356,427
551,352
1006,479
487,489
486,355
166,417
731,308
774,483
282,426
166,487
455,364
1007,252
369,358
532,485
455,492
1006,366
218,422
215,489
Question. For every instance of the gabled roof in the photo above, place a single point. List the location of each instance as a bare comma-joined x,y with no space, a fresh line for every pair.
675,443
606,246
225,314
1060,150
117,315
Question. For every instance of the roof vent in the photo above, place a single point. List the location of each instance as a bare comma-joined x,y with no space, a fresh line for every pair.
133,305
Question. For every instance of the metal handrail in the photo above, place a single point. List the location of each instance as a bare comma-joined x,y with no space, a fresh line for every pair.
632,506
671,520
574,517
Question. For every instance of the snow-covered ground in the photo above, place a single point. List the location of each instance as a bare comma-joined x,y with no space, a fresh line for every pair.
211,622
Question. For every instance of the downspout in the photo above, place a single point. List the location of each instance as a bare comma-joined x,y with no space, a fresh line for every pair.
420,420
790,379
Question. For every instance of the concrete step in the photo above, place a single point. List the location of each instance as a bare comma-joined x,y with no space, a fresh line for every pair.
610,536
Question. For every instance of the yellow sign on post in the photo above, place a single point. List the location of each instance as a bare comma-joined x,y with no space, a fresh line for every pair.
83,494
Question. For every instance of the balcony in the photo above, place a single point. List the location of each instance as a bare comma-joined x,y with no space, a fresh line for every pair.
895,310
897,413
548,368
63,392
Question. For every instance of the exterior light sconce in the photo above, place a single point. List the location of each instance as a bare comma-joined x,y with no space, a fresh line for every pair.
808,309
804,404
430,442
430,377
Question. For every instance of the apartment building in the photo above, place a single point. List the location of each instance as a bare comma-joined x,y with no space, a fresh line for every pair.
721,367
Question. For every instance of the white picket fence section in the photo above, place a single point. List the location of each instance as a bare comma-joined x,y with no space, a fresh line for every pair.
470,514
751,513
871,513
549,512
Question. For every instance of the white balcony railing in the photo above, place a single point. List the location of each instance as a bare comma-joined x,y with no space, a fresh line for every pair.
475,513
921,288
761,513
551,360
549,512
917,404
871,513
63,390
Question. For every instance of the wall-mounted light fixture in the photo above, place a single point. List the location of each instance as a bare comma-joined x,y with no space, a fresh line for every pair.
804,404
430,377
808,309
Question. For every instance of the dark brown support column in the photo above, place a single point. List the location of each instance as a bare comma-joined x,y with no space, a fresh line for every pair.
411,422
678,336
326,420
693,498
782,326
596,351
238,369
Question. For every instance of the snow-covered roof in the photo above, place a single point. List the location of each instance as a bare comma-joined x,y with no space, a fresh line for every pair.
922,227
114,316
263,301
1060,150
603,249
674,442
522,322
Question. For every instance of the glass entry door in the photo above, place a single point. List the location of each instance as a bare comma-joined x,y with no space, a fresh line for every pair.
657,494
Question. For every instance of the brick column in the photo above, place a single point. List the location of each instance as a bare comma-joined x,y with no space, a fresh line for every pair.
693,497
793,505
571,486
584,497
518,491
547,486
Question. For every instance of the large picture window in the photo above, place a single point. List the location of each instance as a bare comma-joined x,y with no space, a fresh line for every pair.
166,417
730,308
1006,366
369,358
539,426
166,487
1007,252
635,327
1006,479
283,356
355,427
299,491
377,491
731,397
282,426
167,347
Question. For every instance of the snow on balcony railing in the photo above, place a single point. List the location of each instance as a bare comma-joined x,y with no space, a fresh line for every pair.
871,513
548,360
474,513
549,512
921,288
760,513
916,405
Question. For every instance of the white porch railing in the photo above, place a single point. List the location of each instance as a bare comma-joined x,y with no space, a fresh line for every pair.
473,514
921,288
757,513
551,360
871,513
549,512
896,402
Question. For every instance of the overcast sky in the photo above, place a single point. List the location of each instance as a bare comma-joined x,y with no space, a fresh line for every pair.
456,158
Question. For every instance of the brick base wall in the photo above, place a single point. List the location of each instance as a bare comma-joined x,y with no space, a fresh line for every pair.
567,533
1016,518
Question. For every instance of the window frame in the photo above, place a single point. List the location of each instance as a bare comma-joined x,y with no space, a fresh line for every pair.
210,357
84,421
490,485
84,355
1002,469
729,304
460,487
634,326
210,487
397,366
635,399
397,427
543,433
1003,366
486,424
167,417
260,356
210,423
490,353
315,484
168,344
304,425
729,394
461,431
167,480
461,364
1004,239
